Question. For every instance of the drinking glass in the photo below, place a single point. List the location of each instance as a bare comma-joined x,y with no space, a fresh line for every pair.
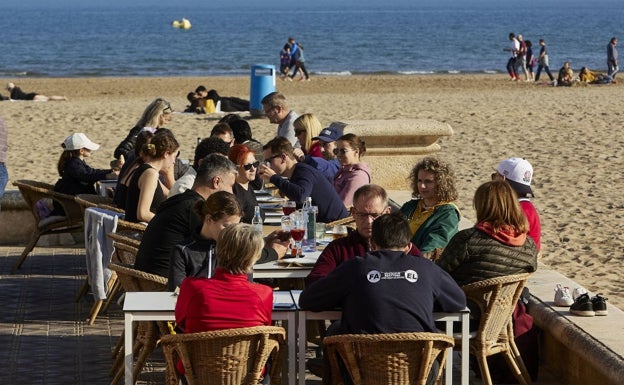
339,231
297,232
289,207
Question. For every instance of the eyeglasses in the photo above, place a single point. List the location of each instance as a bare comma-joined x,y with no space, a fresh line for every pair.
372,216
341,151
248,166
273,157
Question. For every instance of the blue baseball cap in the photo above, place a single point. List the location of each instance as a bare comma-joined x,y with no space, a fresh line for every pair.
329,134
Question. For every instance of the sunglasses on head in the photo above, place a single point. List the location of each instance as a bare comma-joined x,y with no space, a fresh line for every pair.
248,166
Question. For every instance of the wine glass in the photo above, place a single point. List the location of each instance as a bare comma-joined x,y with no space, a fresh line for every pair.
297,232
289,207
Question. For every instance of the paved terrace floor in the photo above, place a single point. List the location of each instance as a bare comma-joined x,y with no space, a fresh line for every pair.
44,335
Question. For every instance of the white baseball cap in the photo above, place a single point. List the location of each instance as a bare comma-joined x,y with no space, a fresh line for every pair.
78,141
518,173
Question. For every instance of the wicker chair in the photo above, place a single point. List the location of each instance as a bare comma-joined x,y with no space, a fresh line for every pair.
230,356
72,222
126,249
376,359
496,299
91,200
147,333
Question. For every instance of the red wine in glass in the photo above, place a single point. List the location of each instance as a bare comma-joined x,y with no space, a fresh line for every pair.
288,209
297,234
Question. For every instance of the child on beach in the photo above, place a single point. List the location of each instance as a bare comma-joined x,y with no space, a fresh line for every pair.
76,176
285,62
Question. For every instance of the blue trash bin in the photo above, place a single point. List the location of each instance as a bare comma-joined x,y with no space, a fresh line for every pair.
262,84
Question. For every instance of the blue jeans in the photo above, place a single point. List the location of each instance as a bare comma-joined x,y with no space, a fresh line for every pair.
4,178
612,68
539,71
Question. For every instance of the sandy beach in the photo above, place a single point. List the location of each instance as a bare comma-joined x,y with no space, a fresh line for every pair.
571,135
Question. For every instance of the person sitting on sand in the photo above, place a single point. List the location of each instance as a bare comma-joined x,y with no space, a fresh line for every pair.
592,77
566,75
16,93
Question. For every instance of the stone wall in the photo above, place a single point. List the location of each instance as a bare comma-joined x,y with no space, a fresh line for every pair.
394,146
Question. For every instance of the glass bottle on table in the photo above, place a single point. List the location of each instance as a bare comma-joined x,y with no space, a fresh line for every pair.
309,214
256,221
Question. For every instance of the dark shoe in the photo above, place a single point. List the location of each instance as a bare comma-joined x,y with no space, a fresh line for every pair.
599,303
583,306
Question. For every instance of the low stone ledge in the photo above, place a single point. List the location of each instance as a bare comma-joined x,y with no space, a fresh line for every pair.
394,146
581,350
17,224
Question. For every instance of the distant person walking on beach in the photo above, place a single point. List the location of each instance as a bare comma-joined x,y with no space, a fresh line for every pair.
300,64
542,61
521,61
285,62
4,146
511,63
16,93
293,50
530,60
612,57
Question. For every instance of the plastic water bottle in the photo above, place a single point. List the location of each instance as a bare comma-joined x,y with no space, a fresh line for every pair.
257,220
309,213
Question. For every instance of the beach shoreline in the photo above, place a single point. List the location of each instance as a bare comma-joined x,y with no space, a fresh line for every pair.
569,134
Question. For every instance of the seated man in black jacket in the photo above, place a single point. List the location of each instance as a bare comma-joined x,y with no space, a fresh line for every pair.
386,290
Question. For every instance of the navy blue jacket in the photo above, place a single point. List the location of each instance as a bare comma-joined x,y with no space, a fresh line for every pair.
306,181
385,292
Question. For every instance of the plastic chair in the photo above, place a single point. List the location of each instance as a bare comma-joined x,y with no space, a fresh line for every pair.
496,299
377,359
230,356
72,222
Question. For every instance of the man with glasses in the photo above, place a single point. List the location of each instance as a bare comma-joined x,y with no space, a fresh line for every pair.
276,109
369,202
298,180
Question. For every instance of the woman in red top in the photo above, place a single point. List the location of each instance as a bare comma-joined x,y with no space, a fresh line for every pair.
227,300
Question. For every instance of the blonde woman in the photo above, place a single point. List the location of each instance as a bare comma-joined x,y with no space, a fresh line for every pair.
228,299
307,127
156,115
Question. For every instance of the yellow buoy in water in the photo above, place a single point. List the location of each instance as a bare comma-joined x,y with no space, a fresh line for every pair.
182,24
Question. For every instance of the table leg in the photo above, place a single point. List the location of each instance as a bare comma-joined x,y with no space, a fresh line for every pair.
292,348
301,346
464,350
448,371
128,339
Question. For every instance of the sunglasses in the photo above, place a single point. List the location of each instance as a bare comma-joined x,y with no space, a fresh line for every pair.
341,151
248,166
168,109
272,157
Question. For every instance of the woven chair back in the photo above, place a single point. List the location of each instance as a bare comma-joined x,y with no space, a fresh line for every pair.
496,299
226,357
377,359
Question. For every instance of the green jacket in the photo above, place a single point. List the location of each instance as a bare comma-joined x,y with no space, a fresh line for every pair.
438,229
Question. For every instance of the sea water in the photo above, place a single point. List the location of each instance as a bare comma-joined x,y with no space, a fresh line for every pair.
132,41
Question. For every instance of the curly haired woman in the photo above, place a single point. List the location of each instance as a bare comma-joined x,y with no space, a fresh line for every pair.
432,215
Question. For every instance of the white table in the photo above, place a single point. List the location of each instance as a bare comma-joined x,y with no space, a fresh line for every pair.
277,269
160,306
447,318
